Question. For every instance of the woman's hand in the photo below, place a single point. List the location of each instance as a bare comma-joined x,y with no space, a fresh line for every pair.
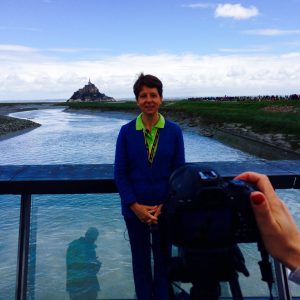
146,213
278,229
158,211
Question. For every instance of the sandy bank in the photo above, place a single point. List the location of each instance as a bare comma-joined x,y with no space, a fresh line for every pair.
10,127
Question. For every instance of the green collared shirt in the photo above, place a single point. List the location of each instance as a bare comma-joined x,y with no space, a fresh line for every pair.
149,136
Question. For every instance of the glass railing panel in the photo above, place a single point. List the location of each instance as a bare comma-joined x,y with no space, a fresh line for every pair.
294,288
57,220
9,231
253,286
291,197
63,258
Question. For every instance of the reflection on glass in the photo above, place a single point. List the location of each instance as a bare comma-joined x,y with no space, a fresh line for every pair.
9,230
83,266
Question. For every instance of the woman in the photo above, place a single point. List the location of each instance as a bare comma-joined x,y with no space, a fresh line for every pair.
149,149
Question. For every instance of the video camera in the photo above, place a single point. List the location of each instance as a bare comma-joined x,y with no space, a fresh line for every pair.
206,216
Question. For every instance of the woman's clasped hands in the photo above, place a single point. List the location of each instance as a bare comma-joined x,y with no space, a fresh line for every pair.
146,213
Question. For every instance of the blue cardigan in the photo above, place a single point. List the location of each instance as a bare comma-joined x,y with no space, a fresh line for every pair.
136,179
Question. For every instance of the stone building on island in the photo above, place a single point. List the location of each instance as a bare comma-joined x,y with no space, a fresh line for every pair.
90,93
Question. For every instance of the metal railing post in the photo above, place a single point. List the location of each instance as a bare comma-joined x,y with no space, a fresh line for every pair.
23,246
32,253
282,281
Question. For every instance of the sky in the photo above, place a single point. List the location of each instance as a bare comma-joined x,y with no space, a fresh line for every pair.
51,48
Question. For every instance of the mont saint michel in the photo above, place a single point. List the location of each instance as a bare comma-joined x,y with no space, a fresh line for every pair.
90,93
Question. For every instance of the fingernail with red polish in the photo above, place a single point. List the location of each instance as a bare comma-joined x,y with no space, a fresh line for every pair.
257,199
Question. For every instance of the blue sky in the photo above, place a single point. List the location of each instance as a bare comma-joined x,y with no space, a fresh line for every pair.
50,48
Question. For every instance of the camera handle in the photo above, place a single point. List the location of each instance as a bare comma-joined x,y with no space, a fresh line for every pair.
209,290
265,267
235,287
205,290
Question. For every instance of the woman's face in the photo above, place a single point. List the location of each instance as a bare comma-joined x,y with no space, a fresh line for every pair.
149,100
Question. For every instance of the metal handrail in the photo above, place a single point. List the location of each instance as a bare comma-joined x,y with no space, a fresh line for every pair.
98,178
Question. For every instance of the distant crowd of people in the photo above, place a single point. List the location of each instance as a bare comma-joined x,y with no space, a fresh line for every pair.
293,97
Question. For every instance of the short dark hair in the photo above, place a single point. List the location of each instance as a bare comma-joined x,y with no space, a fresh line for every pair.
149,81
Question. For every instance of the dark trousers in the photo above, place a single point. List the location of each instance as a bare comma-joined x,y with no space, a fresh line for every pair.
148,286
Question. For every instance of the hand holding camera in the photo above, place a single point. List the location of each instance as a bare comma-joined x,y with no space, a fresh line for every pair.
278,229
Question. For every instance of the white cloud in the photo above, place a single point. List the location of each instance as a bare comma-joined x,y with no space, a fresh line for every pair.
272,32
75,50
16,48
37,76
235,11
198,5
246,50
